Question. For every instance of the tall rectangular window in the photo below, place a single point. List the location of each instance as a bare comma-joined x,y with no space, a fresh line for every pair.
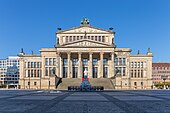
66,38
75,61
95,61
92,37
95,38
124,71
64,61
124,61
116,61
28,73
46,71
70,38
105,61
46,61
32,64
54,61
103,39
85,61
77,37
50,61
74,38
99,38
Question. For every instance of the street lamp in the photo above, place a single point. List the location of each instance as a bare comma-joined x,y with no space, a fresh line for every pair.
164,78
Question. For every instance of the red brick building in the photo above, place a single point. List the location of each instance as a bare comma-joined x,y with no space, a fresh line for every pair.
160,72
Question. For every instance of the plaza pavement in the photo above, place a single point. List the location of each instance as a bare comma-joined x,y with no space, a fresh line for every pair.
116,101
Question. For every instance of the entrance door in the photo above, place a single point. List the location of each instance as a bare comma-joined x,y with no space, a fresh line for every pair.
75,72
95,72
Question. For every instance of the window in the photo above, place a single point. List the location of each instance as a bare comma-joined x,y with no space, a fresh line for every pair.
103,39
77,37
75,61
50,61
138,64
32,64
120,61
124,70
124,61
132,73
92,37
141,65
66,38
65,61
85,61
31,73
51,70
28,73
38,73
46,61
141,73
105,61
34,73
70,38
74,38
95,38
116,61
38,64
95,61
29,65
46,71
99,38
135,74
54,61
138,73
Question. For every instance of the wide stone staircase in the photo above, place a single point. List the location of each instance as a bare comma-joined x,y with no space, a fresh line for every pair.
106,82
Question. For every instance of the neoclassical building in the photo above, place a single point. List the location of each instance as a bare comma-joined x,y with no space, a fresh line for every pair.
86,47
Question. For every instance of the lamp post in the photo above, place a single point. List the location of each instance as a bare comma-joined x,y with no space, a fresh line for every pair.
164,78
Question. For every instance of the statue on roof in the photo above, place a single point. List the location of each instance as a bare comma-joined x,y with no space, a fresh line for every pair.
85,21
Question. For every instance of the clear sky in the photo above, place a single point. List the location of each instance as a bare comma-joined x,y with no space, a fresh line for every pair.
139,24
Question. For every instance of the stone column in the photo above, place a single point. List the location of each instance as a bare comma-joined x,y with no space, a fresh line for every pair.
58,65
61,65
69,67
101,66
43,67
112,67
90,67
79,66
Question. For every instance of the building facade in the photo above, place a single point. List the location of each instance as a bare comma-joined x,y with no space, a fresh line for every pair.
160,71
87,47
9,72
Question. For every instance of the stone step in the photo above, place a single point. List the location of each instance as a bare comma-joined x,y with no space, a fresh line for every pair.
106,82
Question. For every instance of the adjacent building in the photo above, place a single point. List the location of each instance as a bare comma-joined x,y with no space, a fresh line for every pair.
9,72
160,72
86,47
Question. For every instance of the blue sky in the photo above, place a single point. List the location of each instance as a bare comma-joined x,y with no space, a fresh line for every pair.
139,24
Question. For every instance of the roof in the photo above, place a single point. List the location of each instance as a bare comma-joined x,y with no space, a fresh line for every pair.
160,64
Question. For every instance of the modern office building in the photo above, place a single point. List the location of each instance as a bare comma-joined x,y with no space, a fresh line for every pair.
9,72
160,72
86,47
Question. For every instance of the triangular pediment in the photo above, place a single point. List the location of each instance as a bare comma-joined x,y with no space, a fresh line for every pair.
83,29
86,43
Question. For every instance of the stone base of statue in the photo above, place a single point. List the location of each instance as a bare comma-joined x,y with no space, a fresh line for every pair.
85,85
